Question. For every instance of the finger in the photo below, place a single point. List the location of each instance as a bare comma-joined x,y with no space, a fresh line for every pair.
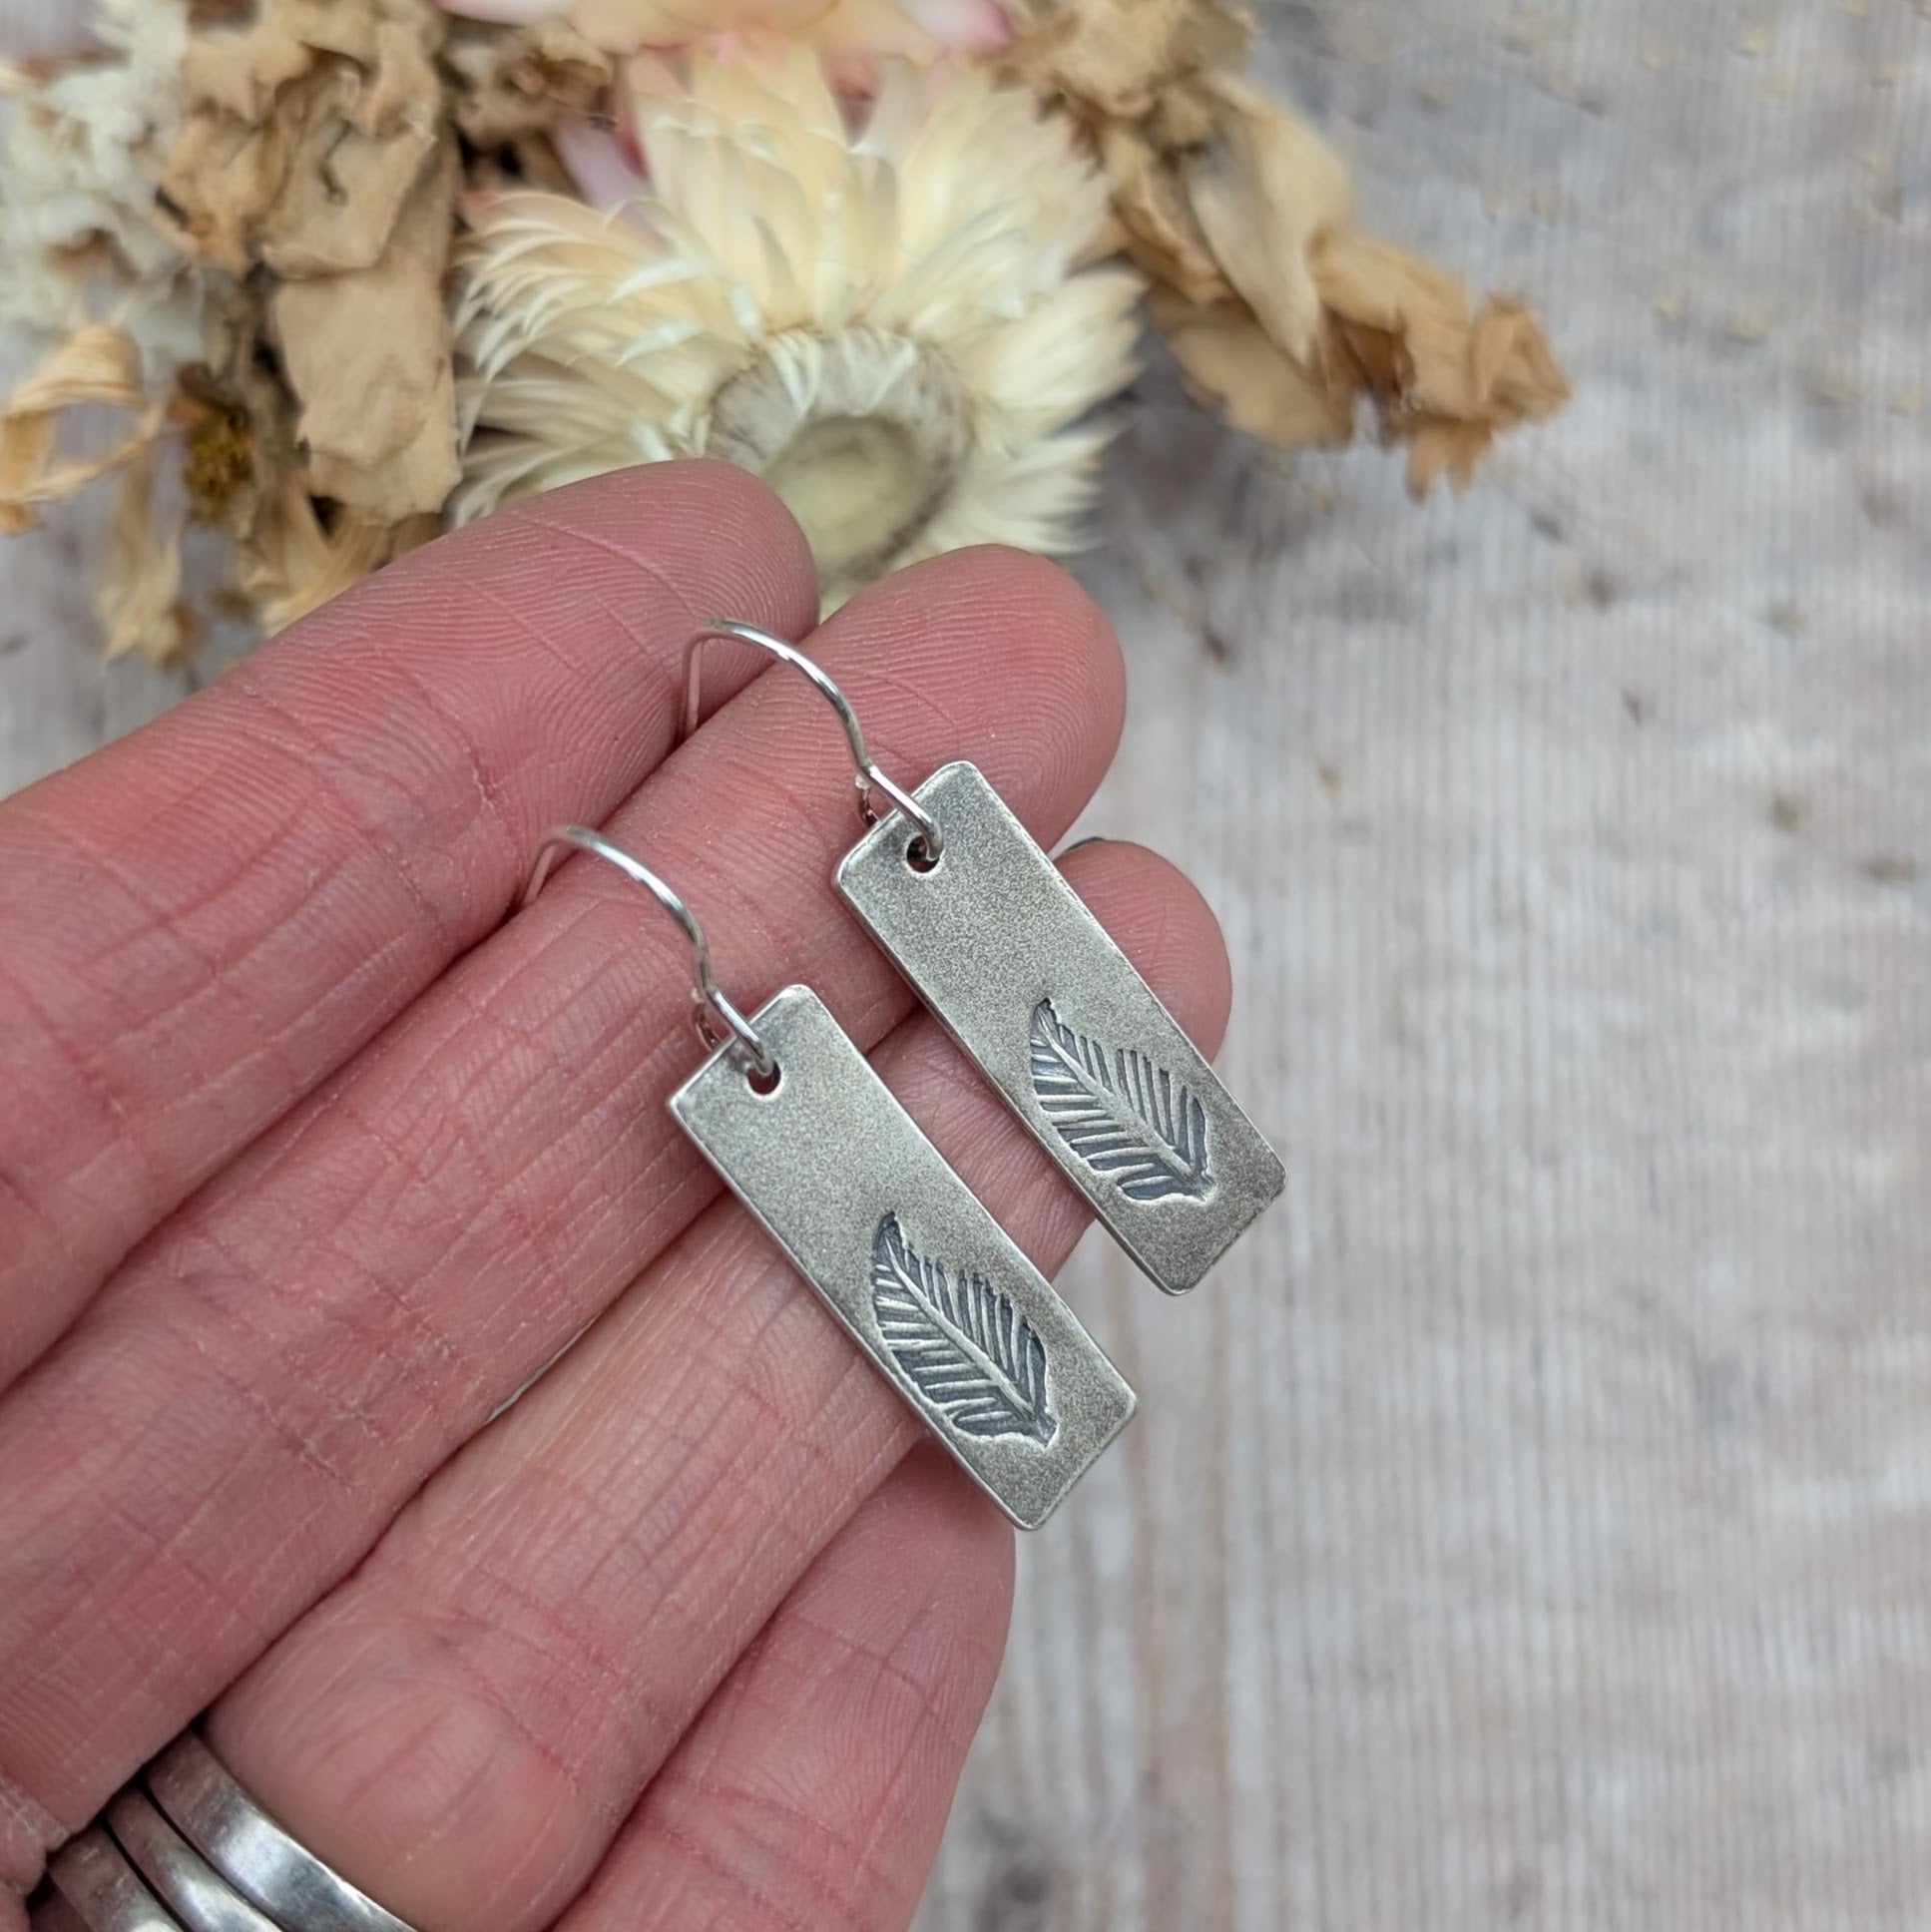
814,1790
461,1726
204,919
242,1411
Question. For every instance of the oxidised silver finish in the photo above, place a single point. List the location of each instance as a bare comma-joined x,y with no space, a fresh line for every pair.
254,1854
869,778
718,1021
929,1285
176,1873
1027,981
93,1876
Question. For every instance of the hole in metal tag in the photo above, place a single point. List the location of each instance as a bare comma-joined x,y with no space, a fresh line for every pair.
1031,986
933,1290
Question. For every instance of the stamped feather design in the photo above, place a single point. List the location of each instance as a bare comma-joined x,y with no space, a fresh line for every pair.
1123,1116
973,1356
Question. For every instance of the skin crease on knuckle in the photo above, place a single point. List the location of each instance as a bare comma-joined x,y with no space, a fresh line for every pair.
566,1593
273,868
327,1320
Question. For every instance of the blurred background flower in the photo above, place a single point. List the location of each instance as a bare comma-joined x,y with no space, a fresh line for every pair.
885,320
337,275
911,29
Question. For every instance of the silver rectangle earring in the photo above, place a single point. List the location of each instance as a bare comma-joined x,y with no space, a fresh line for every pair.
806,1135
969,908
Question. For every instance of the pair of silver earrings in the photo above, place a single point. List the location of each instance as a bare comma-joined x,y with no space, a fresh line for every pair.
790,1111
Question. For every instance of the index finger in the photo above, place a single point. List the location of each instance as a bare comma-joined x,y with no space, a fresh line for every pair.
206,919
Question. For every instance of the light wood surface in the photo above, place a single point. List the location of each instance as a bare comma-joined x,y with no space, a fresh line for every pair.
1530,1526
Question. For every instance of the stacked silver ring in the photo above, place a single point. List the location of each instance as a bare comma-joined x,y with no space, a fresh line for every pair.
184,1849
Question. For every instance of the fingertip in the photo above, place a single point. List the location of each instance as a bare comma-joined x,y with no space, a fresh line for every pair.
1175,939
604,568
951,1511
1018,655
708,527
931,1534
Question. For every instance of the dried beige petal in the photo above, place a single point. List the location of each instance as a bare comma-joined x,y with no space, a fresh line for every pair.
1515,369
98,364
1422,314
346,186
509,86
304,134
1443,445
240,73
291,560
1158,227
1266,190
139,597
1444,382
1229,361
1114,58
1128,72
368,356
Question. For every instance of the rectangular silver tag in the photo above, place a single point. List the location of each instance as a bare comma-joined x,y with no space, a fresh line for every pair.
933,1290
1027,981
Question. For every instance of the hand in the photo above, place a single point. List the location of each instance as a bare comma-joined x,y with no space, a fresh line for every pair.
306,1167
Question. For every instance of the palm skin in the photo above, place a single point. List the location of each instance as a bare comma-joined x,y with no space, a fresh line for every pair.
309,1162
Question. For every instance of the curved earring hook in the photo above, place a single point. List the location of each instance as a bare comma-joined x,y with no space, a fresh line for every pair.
869,778
718,1021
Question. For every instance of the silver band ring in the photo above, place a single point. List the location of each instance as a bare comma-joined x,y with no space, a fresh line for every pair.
254,1853
104,1891
176,1872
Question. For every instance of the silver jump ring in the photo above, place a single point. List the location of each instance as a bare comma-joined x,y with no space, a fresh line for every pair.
869,778
193,1790
718,1021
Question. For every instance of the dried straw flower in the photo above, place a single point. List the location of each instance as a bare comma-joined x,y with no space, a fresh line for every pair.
840,30
886,324
312,148
1278,309
77,231
848,245
103,302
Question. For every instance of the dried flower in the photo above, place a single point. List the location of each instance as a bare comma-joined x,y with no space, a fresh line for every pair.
99,365
77,231
510,85
884,324
312,145
1278,311
817,238
839,29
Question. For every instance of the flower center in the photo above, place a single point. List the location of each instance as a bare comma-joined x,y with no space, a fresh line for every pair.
862,435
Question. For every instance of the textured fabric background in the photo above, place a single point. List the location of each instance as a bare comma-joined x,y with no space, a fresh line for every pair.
1530,1526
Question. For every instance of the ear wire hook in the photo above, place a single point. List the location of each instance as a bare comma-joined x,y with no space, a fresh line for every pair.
869,778
718,1021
